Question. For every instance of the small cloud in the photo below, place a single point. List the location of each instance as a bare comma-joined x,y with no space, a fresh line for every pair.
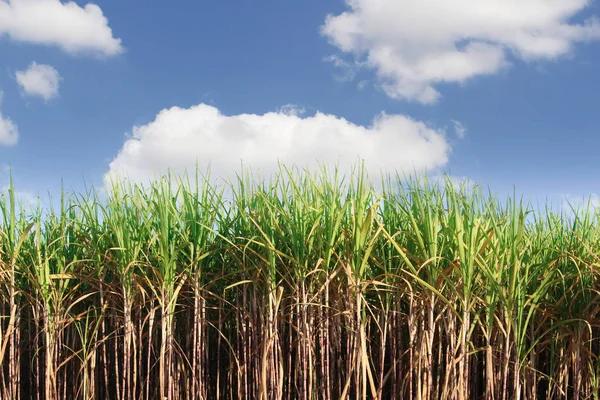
208,97
362,84
292,110
72,28
39,80
459,129
9,133
347,69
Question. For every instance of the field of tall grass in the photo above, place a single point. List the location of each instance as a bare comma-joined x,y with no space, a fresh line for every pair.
306,286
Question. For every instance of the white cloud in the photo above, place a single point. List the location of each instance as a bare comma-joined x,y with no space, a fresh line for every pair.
39,80
9,133
73,28
347,69
415,45
180,139
292,109
459,129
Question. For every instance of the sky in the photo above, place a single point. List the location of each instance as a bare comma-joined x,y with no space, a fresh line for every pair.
501,92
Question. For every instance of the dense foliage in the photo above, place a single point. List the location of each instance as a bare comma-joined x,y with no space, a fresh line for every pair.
303,287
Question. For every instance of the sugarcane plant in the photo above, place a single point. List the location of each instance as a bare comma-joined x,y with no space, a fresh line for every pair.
299,285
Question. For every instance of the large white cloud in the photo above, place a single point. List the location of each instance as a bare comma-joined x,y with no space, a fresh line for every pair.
73,28
179,139
415,44
39,80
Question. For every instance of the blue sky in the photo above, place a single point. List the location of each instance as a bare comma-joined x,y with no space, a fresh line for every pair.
300,81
